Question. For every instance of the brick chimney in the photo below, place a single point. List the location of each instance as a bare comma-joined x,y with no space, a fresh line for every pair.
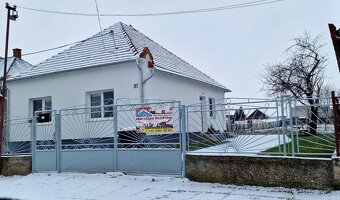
17,53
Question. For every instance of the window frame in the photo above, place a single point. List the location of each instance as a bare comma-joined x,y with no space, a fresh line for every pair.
212,107
43,104
102,105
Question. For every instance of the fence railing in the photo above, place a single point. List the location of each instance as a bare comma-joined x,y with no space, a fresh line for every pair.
284,126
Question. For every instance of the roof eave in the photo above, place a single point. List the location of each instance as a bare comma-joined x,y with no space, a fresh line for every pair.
178,74
132,59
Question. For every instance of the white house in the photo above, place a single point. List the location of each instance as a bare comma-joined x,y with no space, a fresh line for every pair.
112,66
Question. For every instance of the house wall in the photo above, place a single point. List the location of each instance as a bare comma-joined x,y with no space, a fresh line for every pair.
69,89
173,87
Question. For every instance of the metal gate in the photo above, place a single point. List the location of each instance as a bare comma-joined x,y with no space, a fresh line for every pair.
45,141
157,149
134,138
86,140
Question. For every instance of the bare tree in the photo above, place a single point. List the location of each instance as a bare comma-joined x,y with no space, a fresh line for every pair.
300,74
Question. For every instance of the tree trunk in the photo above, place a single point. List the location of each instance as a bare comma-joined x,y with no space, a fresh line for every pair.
313,123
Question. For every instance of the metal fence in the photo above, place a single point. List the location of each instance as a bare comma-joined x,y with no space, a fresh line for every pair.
154,137
281,127
17,136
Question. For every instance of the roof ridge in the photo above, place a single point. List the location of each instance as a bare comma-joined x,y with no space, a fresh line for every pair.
129,40
169,52
99,34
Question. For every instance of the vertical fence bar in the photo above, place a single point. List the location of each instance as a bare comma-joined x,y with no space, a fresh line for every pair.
7,136
297,128
283,121
183,136
115,138
278,124
58,141
336,118
292,138
33,142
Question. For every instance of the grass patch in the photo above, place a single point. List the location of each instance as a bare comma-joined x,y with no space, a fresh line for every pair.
202,144
315,145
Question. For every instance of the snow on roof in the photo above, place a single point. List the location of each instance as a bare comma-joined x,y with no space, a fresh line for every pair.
15,66
117,43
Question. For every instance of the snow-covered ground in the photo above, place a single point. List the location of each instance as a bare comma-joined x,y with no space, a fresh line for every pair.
246,144
52,186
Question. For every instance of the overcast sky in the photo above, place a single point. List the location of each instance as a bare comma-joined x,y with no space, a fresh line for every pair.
231,46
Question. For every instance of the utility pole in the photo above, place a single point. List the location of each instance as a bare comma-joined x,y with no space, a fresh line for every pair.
12,14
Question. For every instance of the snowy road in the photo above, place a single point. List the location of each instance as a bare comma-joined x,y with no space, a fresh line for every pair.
118,186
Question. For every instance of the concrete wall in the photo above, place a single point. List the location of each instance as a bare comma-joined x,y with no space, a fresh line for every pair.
261,171
16,165
336,165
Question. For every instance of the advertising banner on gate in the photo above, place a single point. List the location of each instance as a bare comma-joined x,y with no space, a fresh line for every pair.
155,119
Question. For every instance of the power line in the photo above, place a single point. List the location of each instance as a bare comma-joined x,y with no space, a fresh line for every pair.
203,10
62,46
226,7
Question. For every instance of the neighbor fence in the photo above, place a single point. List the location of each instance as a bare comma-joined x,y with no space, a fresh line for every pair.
283,127
154,137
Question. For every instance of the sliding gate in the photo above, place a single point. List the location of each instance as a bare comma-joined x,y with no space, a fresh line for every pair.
134,138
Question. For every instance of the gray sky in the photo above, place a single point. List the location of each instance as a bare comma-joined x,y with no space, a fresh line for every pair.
231,46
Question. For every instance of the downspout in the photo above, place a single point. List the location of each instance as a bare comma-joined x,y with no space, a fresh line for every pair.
141,87
142,81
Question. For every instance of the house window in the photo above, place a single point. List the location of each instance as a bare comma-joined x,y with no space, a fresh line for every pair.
41,104
211,107
101,104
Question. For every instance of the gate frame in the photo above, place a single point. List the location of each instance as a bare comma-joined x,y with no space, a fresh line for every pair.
182,140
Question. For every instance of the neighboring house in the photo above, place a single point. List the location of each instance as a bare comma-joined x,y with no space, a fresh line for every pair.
113,66
257,115
15,66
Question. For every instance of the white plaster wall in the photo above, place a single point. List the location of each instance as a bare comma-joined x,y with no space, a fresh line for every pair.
69,88
168,86
164,85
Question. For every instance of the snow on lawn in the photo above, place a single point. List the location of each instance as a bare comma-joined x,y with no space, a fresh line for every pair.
54,186
250,144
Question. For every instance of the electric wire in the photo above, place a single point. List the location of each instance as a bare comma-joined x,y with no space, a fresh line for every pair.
62,46
202,10
100,24
226,7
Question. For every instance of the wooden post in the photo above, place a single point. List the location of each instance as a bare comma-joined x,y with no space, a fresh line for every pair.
336,120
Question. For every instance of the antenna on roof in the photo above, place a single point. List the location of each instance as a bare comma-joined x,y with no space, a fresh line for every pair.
113,38
100,25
